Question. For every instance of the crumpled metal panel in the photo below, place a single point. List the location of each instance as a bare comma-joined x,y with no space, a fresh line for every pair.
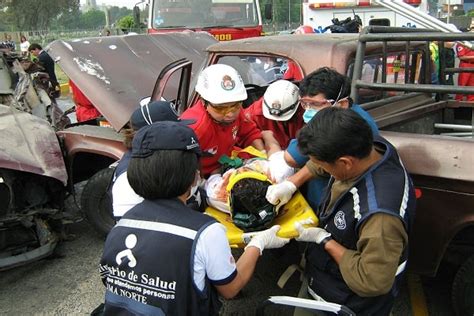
115,72
5,79
30,144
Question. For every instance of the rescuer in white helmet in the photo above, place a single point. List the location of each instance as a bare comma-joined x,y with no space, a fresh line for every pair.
220,123
278,111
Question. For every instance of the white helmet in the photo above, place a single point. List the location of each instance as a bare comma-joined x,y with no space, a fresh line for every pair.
280,100
221,83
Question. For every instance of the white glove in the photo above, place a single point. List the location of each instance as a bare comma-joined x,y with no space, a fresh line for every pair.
278,167
311,234
268,239
280,193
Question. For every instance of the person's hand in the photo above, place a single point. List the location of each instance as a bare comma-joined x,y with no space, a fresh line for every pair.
278,167
280,193
268,239
311,234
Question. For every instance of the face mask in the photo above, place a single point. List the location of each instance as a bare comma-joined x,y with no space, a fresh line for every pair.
309,114
194,188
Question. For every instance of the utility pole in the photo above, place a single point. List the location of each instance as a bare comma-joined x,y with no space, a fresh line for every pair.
449,11
289,14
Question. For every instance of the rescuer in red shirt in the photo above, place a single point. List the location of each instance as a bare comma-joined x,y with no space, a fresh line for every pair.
219,119
278,111
466,58
85,110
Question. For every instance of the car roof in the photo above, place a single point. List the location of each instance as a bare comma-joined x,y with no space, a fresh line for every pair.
311,51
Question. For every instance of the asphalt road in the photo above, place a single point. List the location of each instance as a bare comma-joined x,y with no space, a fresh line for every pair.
68,283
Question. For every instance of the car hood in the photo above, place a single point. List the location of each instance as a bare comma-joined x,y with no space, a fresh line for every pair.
30,144
116,72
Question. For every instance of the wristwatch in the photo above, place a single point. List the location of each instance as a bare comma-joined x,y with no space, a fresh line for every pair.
325,241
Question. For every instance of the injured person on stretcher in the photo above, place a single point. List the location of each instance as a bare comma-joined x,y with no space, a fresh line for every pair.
240,190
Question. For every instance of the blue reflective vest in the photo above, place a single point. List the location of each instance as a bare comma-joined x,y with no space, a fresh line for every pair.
148,259
385,188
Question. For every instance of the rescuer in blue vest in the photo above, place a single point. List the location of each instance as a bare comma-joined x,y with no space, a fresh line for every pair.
358,253
163,258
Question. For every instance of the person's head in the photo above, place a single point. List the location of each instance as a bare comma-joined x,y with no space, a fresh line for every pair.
22,38
147,114
8,37
107,33
249,207
323,88
35,49
304,29
280,101
337,140
222,91
165,161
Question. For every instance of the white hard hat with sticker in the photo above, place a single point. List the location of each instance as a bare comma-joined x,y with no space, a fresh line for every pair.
280,100
221,84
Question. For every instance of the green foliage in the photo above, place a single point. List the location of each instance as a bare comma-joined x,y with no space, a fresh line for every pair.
470,13
117,13
92,19
281,8
126,22
38,15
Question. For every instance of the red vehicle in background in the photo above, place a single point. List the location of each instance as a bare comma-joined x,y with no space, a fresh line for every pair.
225,19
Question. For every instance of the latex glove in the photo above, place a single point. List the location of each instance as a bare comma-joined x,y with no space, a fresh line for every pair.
267,239
278,167
311,234
280,193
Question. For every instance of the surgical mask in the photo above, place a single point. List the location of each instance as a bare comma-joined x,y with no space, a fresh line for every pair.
309,114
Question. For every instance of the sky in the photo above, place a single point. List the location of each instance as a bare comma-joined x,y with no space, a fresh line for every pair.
119,3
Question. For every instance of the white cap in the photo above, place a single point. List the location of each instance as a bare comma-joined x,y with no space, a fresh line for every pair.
280,101
221,83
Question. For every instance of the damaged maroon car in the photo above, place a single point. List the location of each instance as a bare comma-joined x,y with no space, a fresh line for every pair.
42,157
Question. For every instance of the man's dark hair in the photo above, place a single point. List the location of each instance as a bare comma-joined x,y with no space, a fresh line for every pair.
336,132
326,81
163,175
34,46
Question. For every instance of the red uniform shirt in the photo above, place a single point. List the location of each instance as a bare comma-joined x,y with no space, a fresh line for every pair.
465,79
217,140
284,131
293,72
85,110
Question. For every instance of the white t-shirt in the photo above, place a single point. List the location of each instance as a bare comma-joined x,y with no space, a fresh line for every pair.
123,196
24,46
213,257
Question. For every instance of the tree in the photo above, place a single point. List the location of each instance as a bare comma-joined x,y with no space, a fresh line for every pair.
117,13
126,22
68,20
92,19
39,15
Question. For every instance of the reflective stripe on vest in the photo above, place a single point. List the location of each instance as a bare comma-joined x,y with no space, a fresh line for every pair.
158,227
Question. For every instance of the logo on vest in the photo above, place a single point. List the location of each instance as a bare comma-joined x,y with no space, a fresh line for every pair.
340,220
130,243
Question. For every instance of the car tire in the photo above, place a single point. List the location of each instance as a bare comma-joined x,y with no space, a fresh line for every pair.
463,288
96,203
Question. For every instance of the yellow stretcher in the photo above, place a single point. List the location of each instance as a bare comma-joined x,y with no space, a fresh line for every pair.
297,209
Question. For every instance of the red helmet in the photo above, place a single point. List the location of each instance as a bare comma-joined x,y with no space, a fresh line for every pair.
304,29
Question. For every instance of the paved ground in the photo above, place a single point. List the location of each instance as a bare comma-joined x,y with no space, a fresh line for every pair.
68,283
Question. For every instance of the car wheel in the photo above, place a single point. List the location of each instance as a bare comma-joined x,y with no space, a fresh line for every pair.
96,203
463,288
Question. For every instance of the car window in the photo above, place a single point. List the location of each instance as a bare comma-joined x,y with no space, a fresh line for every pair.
372,73
257,70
